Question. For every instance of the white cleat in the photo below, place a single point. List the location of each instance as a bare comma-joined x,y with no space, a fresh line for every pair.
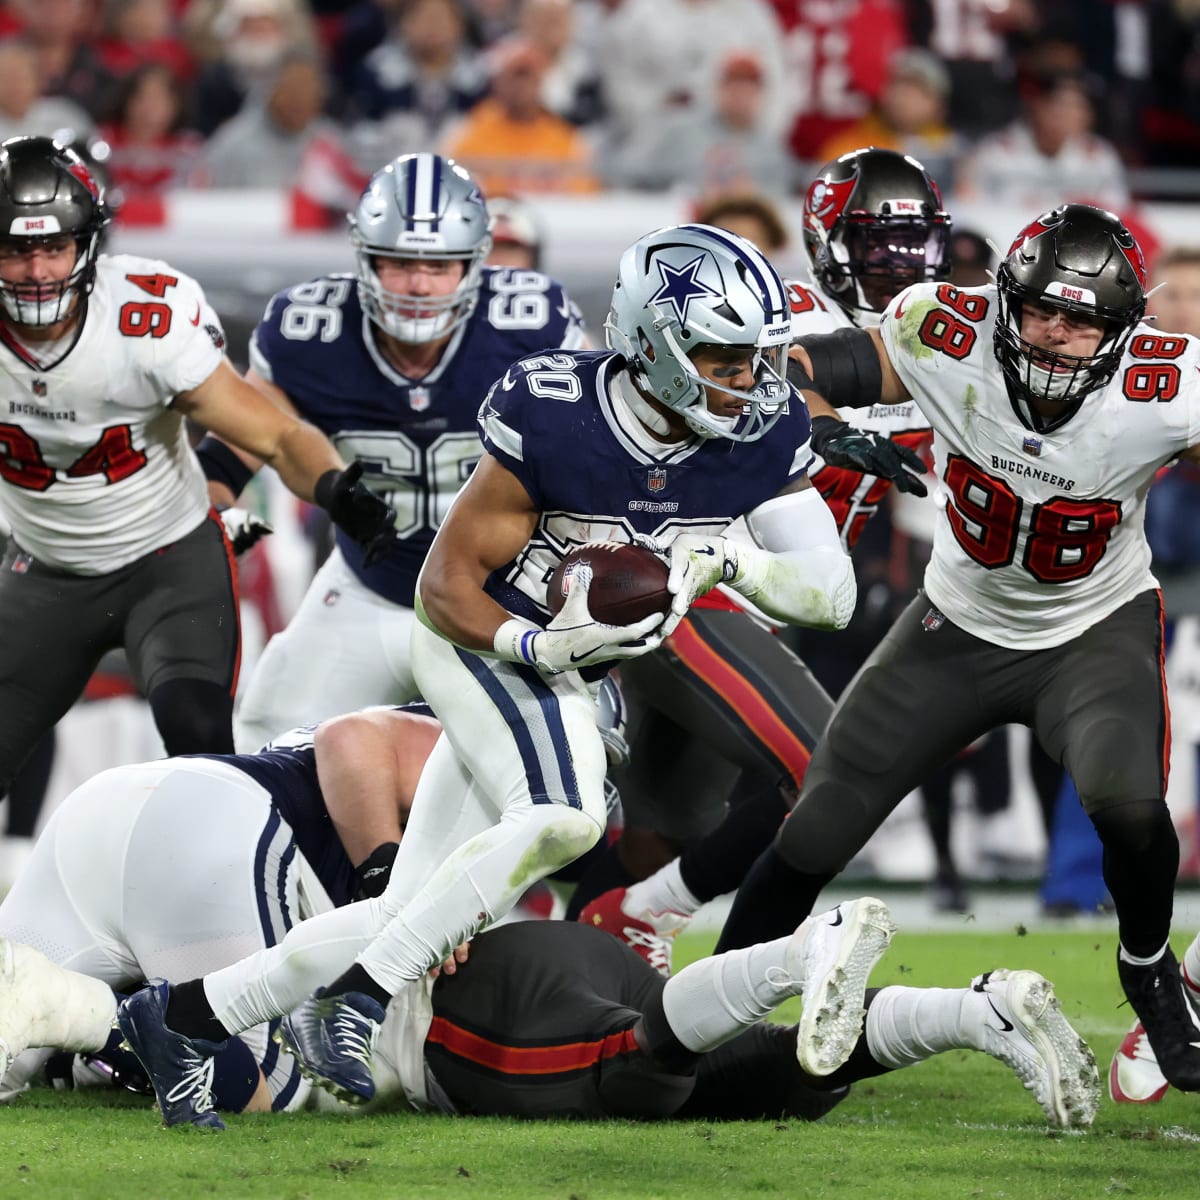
10,1025
831,957
1022,1024
1134,1076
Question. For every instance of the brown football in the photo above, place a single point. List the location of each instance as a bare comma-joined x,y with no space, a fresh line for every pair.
629,582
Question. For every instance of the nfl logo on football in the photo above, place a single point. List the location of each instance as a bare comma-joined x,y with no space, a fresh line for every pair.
656,479
1032,445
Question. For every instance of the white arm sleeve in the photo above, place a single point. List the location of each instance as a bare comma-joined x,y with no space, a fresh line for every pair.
797,572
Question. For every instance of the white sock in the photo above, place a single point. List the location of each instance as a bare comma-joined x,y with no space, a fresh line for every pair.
713,1000
1191,968
1125,956
272,982
77,1012
475,886
663,892
907,1025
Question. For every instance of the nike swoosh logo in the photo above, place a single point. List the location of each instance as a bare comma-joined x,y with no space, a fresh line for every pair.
899,310
1005,1024
508,383
586,654
196,319
705,550
839,920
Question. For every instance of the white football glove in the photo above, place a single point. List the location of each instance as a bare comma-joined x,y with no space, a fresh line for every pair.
573,639
243,529
698,564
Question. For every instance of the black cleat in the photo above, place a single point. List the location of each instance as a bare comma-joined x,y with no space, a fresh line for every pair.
1157,995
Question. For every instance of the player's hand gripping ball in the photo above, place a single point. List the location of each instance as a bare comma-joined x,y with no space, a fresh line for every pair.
629,583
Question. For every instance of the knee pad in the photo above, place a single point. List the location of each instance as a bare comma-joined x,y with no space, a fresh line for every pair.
1110,767
563,834
829,826
193,716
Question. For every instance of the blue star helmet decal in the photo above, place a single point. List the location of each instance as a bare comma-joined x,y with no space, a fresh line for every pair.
680,286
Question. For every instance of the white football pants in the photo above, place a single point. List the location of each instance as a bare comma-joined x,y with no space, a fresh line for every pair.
165,870
513,790
346,648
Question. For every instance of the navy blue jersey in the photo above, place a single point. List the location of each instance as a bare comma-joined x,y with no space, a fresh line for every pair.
590,470
287,768
416,439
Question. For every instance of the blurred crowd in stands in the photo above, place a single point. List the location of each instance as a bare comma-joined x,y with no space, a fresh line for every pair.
1027,102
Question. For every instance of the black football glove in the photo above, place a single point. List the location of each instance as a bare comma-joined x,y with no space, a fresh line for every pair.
243,529
357,512
841,445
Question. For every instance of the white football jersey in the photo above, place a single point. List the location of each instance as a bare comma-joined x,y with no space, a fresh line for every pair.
852,496
95,467
1042,534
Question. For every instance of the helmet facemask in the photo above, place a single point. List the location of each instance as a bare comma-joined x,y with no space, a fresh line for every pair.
1037,376
762,405
418,319
870,260
1077,259
40,305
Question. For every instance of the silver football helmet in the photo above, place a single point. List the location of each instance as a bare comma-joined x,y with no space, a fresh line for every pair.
420,206
689,286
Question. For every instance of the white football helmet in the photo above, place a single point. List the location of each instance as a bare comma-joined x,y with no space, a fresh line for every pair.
420,206
689,286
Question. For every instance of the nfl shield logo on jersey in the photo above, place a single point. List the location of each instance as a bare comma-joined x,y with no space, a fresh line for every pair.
418,399
1032,445
39,387
656,479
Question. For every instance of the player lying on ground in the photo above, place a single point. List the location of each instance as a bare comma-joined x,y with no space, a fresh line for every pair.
548,1022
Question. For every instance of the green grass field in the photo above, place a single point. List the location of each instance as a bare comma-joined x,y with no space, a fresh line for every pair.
959,1126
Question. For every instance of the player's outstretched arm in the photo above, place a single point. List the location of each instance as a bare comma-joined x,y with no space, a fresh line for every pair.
849,368
305,459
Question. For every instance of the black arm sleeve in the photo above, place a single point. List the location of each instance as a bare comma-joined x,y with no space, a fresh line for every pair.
846,368
221,465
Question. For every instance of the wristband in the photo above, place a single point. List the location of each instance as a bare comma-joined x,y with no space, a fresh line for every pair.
514,640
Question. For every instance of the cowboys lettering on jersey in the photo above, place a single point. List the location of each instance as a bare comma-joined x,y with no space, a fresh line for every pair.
392,363
514,789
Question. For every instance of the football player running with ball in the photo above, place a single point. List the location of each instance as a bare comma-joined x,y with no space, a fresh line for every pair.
1053,407
113,541
686,424
724,693
392,363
